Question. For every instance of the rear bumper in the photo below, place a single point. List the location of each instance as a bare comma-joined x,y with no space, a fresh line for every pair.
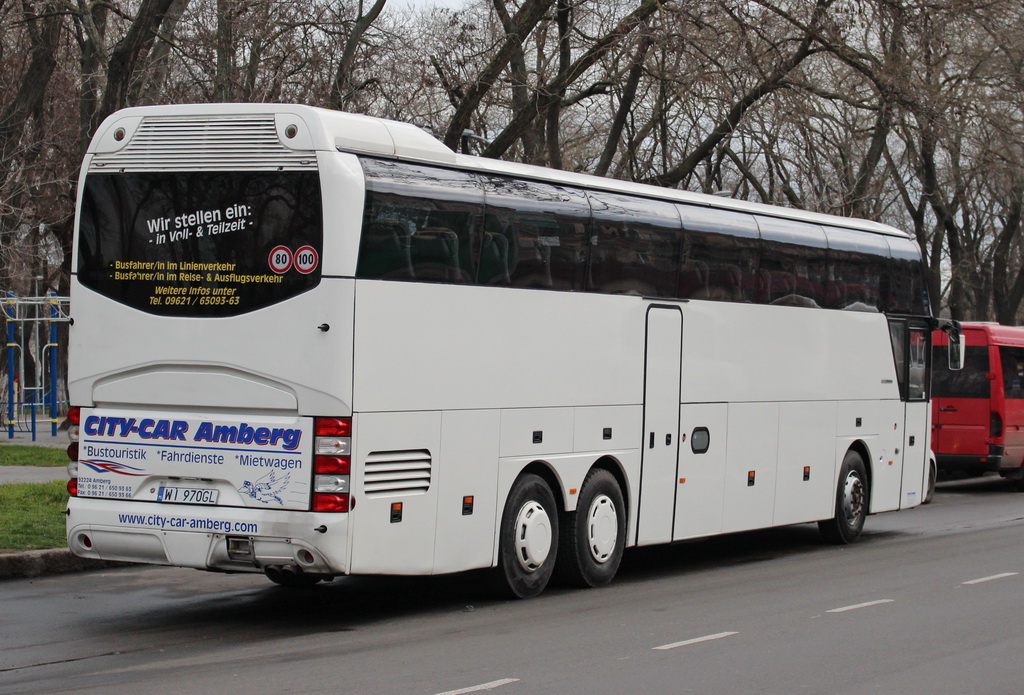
973,463
197,536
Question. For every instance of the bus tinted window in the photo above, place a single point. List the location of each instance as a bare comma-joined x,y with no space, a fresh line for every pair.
546,229
792,268
200,243
419,223
637,249
1012,359
857,263
970,382
907,291
719,255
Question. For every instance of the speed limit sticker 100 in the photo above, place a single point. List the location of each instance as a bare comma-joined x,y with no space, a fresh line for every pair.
306,259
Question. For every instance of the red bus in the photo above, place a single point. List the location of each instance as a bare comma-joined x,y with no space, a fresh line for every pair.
978,412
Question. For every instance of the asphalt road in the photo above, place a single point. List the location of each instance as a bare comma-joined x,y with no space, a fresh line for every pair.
930,601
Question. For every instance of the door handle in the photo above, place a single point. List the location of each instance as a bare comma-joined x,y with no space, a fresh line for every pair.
948,409
651,444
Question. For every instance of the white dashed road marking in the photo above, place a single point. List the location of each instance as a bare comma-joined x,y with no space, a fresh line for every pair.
483,686
696,640
860,605
994,576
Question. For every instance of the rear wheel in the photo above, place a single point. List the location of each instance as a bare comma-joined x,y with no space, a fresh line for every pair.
593,538
528,540
851,507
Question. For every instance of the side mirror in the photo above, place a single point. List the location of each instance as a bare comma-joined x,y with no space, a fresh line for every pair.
956,350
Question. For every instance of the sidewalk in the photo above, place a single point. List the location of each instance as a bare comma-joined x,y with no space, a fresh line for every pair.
43,438
33,474
38,563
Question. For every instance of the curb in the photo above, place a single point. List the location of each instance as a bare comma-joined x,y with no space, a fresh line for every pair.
39,563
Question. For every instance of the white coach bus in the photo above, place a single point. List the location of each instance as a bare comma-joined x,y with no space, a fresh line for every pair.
312,344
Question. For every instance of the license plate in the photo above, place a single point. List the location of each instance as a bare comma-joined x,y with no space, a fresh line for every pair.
187,495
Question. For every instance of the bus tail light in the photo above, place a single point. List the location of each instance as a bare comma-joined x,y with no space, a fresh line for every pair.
995,425
74,420
323,502
332,464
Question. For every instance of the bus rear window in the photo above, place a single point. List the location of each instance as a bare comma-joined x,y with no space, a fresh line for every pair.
202,244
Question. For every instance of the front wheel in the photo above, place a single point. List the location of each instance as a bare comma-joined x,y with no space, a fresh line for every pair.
851,507
933,475
528,539
594,537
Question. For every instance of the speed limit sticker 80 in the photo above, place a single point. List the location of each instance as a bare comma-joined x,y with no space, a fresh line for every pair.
280,259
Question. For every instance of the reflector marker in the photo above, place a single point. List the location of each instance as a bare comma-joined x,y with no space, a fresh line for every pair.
860,605
696,640
1004,575
483,686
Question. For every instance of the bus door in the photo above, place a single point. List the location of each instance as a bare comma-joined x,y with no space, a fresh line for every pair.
962,403
1011,363
911,342
662,373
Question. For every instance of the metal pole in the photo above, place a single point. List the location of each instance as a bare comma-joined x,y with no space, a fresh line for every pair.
54,313
10,366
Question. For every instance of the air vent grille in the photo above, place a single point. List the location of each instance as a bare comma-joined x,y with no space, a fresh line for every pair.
397,473
194,143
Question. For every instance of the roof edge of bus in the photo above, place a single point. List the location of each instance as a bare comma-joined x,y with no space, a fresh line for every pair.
499,166
998,334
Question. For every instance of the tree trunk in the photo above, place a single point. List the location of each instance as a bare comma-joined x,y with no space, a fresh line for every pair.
625,104
341,88
543,97
523,23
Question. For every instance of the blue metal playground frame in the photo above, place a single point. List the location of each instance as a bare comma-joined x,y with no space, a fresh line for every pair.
42,396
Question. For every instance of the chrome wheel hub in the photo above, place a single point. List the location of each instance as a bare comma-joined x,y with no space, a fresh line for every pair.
533,536
602,528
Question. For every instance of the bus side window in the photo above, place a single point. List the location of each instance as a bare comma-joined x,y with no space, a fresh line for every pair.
1012,359
856,265
793,268
917,381
547,229
969,382
910,354
907,292
636,247
719,255
420,223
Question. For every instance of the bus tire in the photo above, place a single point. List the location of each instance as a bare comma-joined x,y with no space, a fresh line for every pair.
933,474
292,580
528,538
594,536
852,495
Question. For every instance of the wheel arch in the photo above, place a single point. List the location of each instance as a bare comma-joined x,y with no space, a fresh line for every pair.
545,472
615,467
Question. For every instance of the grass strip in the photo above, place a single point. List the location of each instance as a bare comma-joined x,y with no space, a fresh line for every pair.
32,515
22,455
